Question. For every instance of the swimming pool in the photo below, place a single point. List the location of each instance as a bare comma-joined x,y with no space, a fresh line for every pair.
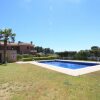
68,64
69,67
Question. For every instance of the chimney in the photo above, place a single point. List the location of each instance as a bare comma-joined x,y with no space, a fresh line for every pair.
31,43
19,42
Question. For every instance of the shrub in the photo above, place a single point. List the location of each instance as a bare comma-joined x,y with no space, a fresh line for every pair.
19,57
44,58
27,56
27,59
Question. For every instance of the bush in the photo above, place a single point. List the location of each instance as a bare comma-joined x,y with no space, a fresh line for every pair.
27,59
27,56
44,58
19,57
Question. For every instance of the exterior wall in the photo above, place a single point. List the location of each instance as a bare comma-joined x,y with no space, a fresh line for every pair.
25,49
21,48
11,55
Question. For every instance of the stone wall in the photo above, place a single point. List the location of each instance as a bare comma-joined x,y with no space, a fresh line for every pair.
11,55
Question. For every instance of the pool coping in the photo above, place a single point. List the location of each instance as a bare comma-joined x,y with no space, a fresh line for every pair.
72,72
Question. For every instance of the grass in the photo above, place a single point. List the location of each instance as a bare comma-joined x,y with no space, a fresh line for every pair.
30,82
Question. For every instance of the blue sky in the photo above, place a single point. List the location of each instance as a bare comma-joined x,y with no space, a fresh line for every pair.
58,24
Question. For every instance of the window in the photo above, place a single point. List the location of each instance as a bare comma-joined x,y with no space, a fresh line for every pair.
27,47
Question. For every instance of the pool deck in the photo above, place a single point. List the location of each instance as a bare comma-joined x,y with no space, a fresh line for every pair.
72,72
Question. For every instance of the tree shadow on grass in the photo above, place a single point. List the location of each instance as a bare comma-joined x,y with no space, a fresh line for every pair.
3,64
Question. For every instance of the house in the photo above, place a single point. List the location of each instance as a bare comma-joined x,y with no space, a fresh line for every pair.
16,48
20,47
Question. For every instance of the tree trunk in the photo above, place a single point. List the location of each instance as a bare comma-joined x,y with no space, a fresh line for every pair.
5,51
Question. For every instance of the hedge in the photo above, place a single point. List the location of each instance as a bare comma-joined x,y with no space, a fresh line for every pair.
44,58
19,57
27,56
27,59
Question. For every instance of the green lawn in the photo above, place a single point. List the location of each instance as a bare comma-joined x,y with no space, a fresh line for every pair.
30,82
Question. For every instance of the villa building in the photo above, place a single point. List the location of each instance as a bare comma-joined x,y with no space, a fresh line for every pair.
16,48
20,47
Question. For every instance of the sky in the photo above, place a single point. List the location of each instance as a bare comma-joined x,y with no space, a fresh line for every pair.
57,24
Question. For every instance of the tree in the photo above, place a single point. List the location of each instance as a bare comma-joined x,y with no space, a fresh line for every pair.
6,35
39,49
82,55
44,50
95,48
47,50
95,51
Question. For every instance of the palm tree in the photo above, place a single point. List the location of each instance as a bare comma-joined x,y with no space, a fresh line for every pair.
6,35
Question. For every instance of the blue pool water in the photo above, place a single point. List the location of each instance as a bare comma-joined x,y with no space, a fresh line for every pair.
67,64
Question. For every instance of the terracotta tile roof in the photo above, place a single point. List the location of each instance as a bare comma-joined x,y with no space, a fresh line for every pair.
16,44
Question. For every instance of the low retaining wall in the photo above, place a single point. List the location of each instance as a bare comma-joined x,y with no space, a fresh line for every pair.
11,55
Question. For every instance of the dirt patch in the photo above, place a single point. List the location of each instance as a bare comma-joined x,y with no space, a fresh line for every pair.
8,89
